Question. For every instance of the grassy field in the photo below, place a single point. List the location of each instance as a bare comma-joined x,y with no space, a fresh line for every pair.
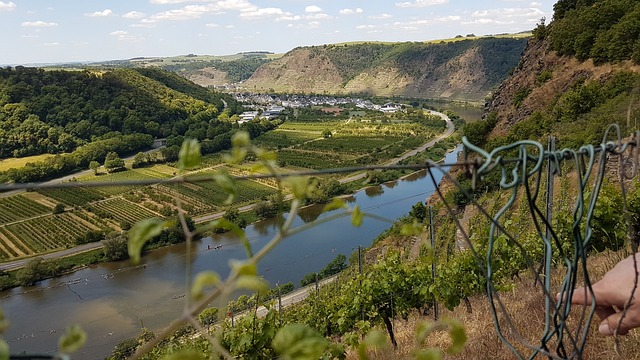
16,163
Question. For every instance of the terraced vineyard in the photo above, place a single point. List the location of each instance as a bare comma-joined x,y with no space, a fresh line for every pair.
122,210
14,208
277,139
41,235
129,175
73,197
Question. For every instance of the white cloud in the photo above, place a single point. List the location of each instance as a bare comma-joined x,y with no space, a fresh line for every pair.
366,27
261,13
535,4
318,16
351,11
381,16
421,3
38,24
507,13
51,44
103,13
7,6
134,15
314,24
312,9
145,23
30,36
211,25
448,18
189,12
126,36
289,17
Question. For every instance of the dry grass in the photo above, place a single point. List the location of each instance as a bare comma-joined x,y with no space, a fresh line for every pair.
525,305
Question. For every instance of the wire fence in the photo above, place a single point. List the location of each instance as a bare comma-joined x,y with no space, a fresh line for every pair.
522,170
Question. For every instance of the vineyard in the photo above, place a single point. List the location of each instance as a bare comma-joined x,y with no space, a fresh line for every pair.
41,235
73,197
16,208
121,210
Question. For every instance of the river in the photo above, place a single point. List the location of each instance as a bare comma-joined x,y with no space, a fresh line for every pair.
113,301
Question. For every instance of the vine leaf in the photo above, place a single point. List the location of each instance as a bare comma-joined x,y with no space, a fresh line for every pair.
298,342
243,267
225,224
72,340
429,354
202,280
300,187
4,350
458,336
228,185
356,216
189,156
422,331
334,205
251,282
142,232
4,323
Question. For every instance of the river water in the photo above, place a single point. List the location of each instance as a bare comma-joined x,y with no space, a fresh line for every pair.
113,301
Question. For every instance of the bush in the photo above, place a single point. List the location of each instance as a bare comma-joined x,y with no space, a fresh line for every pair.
58,209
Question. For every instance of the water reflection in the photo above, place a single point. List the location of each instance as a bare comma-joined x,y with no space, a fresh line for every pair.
372,191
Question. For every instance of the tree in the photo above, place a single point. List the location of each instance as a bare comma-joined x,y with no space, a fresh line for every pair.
327,134
113,163
139,160
418,212
115,247
58,209
94,166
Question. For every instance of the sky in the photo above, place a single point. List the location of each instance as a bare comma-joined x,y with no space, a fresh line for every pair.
54,31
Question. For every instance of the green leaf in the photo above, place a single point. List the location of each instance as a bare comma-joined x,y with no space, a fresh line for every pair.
458,336
357,216
228,185
72,340
251,282
4,350
430,354
334,205
422,331
264,155
298,341
243,267
376,339
240,139
185,355
299,187
227,225
4,322
142,232
189,156
202,280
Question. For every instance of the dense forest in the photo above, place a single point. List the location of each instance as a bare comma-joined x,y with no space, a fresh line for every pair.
606,31
83,115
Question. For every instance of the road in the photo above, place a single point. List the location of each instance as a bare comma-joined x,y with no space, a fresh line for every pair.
16,264
450,129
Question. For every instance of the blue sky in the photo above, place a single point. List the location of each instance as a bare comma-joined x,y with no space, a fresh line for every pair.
50,31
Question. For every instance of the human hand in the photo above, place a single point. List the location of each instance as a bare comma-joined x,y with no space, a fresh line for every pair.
611,294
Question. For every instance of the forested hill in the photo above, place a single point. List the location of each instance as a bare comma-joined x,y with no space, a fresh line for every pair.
56,111
577,74
465,69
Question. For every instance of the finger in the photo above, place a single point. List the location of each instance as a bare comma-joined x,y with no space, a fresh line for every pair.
582,296
604,312
622,321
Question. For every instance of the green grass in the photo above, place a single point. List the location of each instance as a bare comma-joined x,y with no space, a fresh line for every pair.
17,163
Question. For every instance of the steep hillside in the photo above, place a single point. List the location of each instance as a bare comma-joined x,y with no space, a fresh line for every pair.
467,69
571,89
